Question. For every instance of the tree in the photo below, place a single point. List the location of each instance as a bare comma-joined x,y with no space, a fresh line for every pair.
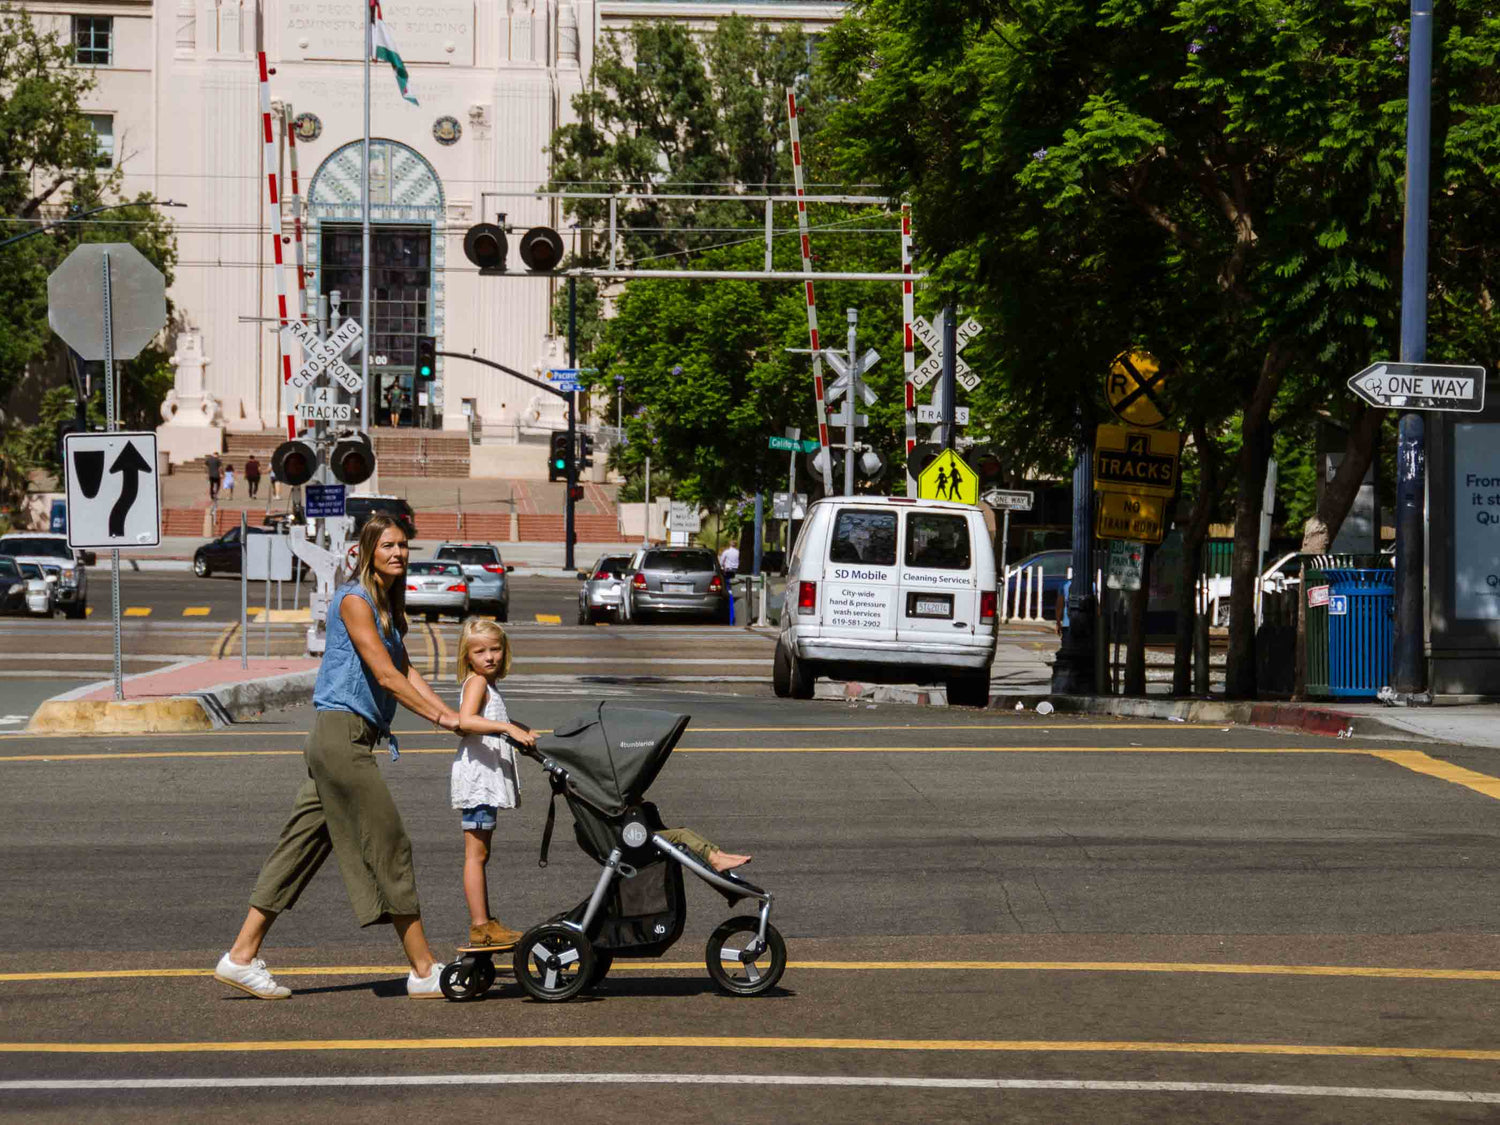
1217,179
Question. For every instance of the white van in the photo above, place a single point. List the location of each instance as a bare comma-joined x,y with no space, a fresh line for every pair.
889,589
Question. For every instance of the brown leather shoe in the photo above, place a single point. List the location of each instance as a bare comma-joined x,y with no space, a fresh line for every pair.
492,933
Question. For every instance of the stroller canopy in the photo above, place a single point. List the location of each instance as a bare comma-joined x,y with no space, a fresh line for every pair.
613,754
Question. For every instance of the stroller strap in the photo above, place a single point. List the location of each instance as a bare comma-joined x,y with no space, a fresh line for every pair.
557,784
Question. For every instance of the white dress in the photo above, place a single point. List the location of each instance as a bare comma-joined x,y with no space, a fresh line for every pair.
484,768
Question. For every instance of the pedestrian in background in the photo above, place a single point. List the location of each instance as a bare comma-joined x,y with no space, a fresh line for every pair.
729,560
344,808
229,480
211,464
252,476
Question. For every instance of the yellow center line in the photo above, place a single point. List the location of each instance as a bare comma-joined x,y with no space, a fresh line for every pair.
548,619
754,1042
1366,972
196,611
137,611
1418,762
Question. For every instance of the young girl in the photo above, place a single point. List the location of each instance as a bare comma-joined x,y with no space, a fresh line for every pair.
484,769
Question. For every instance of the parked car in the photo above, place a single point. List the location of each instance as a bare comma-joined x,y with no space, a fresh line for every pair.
41,592
435,588
675,581
12,587
601,588
222,555
485,571
1055,566
57,560
361,508
887,588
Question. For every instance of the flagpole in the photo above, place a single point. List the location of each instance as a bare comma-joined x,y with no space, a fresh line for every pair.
364,233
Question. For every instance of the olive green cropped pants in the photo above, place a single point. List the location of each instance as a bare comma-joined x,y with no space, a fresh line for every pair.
345,808
687,838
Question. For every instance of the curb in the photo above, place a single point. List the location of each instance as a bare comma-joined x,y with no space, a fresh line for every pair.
851,691
205,710
1275,716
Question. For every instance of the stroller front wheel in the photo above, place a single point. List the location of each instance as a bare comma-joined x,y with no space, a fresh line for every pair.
468,978
553,962
735,963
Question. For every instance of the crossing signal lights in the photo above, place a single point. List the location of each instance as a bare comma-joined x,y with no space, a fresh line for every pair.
426,365
559,457
294,463
353,459
485,246
541,249
585,450
575,493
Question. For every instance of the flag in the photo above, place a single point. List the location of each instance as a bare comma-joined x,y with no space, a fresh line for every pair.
385,51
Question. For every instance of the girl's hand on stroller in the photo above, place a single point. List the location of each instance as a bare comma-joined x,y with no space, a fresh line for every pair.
449,720
520,735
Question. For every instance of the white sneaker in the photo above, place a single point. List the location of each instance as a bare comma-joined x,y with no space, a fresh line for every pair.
253,978
425,988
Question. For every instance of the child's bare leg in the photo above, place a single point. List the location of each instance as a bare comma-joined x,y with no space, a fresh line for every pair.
476,888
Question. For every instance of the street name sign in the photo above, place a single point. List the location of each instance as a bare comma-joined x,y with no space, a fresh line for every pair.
325,408
137,300
792,445
1135,389
1122,515
323,501
113,491
948,477
1140,462
931,414
1421,386
322,356
1010,501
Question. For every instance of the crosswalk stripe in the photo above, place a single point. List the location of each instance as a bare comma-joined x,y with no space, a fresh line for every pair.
196,611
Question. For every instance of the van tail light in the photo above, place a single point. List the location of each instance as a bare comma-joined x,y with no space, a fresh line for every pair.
987,602
494,568
638,580
716,585
459,588
807,598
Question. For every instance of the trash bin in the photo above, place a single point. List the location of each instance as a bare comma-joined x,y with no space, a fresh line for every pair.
58,522
1350,628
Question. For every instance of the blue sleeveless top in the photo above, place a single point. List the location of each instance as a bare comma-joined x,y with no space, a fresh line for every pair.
344,683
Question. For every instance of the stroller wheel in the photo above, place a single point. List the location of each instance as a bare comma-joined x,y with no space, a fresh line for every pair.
468,978
736,966
553,962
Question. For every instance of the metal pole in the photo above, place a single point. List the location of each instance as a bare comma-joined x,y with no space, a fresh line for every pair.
244,596
760,523
572,477
109,414
851,399
267,630
364,234
1408,668
791,504
950,369
1075,671
1004,538
646,523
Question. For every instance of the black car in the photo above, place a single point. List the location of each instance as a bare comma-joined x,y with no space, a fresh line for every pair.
222,555
12,587
363,507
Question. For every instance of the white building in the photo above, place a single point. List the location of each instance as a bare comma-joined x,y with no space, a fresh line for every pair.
177,105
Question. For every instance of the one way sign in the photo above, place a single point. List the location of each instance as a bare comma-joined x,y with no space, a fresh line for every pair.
114,494
1421,386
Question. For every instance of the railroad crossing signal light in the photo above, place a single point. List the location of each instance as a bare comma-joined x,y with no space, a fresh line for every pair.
560,456
585,450
294,463
541,249
426,365
576,493
485,246
353,460
921,456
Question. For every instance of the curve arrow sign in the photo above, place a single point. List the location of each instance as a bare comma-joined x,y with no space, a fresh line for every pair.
1421,386
130,465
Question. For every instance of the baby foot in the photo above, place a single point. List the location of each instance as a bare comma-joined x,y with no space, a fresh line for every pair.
726,861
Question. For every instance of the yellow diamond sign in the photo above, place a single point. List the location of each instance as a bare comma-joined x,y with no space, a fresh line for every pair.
948,477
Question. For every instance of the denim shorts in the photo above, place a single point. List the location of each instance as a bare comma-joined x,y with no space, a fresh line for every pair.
481,817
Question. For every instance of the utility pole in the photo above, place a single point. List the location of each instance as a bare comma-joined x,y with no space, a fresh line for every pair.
572,477
1408,666
1073,672
851,403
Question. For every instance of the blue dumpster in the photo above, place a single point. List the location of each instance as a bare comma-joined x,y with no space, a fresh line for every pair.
59,520
1361,625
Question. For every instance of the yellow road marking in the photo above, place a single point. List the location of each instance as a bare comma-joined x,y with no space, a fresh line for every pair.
548,619
755,1042
88,611
196,611
1368,972
283,616
136,611
1419,762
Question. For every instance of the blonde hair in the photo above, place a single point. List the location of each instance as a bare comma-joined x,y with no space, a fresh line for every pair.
482,627
390,601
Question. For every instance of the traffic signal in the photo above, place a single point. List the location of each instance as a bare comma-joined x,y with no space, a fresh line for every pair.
585,450
353,460
576,493
426,365
541,249
294,463
485,246
559,457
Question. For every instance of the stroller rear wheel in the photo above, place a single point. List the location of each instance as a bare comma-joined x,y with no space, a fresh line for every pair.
553,962
739,963
468,978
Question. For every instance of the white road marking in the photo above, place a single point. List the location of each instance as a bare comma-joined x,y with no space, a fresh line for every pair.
1470,1097
12,720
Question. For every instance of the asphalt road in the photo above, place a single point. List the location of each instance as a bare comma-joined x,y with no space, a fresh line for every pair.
990,917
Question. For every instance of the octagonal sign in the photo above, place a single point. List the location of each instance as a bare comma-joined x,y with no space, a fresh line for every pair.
137,298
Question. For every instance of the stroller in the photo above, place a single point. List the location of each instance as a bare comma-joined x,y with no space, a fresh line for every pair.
602,763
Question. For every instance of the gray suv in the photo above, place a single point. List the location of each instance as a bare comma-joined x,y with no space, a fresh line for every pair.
489,592
677,581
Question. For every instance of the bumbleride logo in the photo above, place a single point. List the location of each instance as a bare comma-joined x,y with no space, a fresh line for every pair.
636,745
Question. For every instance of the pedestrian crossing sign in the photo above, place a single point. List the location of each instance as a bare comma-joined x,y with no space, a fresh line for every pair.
948,477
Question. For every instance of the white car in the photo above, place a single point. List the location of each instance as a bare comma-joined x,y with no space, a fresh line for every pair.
886,588
41,591
58,561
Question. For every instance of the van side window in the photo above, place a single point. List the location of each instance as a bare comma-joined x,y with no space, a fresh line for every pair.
864,537
936,542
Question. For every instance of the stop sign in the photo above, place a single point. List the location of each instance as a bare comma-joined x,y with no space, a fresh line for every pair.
137,299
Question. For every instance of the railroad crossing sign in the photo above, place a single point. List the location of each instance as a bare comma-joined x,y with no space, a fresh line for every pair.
1124,515
137,300
321,355
1421,386
324,407
1135,387
931,367
933,415
948,477
109,504
839,361
1139,462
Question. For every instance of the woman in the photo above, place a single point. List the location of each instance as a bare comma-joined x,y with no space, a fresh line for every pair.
344,807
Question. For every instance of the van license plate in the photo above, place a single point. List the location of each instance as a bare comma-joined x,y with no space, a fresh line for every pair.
677,587
936,605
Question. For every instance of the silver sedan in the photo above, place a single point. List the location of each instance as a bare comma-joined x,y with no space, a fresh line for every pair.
435,588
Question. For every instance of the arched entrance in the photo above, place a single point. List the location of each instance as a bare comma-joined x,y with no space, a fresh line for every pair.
406,266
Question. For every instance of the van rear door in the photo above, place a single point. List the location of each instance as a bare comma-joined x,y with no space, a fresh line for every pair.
857,601
938,594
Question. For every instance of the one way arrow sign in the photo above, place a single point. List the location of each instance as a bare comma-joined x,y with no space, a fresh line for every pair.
1421,386
113,493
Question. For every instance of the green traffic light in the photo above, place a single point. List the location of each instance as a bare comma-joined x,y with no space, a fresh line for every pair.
559,463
